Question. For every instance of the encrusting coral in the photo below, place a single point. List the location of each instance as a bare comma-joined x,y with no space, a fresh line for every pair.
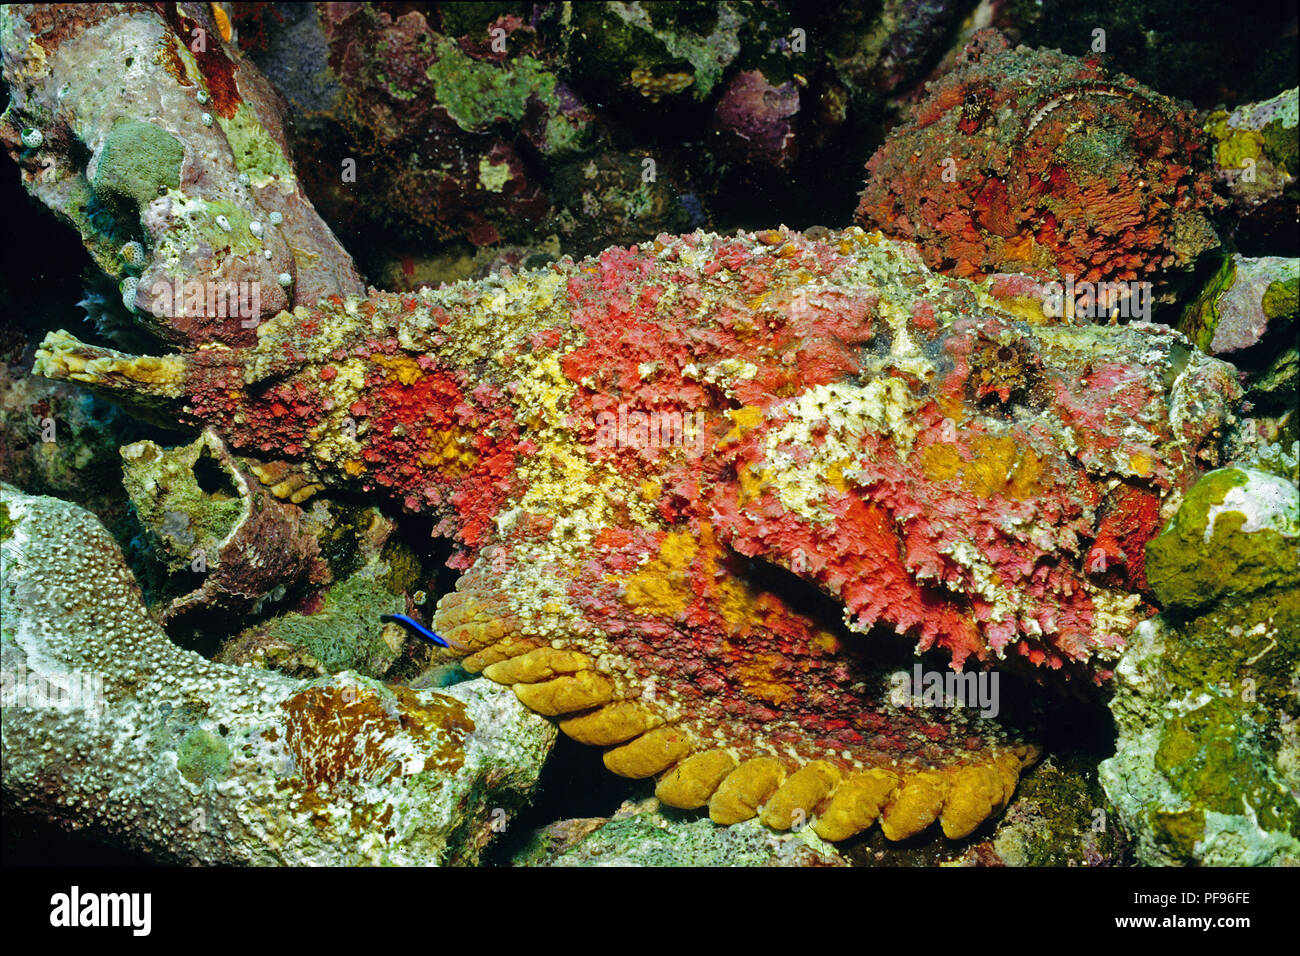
617,445
208,515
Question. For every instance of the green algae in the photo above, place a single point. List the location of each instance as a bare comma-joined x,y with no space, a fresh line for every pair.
476,94
1201,317
101,228
633,45
567,137
403,568
346,633
1282,298
1207,765
254,151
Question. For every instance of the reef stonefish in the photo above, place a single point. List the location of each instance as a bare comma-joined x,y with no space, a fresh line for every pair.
619,445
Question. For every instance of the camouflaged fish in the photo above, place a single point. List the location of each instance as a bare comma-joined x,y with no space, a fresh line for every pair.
637,455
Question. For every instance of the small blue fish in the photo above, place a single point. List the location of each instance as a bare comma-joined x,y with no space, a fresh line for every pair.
418,628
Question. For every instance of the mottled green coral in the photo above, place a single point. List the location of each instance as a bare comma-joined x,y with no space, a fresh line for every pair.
1235,533
1282,298
184,496
197,223
493,176
565,136
202,755
1208,762
137,161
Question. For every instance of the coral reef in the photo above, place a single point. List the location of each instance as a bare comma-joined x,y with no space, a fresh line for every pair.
476,126
1025,160
613,443
1205,769
810,546
167,154
1249,313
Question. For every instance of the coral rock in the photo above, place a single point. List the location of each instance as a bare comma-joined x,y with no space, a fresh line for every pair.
1237,531
1204,771
170,161
210,516
1257,155
1245,301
